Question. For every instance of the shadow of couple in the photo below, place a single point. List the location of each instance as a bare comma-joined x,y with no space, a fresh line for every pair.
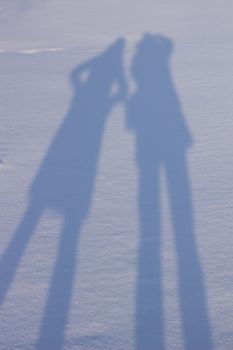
66,178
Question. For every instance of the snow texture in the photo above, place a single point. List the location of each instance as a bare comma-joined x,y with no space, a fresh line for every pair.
116,171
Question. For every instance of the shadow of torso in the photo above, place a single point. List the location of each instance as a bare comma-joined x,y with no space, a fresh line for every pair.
66,176
154,111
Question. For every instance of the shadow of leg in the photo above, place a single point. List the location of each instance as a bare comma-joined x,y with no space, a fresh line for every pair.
192,293
149,317
52,332
10,259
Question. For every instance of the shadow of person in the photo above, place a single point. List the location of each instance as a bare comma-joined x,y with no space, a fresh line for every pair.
65,182
162,140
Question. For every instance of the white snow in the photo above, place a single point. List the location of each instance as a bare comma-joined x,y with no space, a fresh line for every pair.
106,241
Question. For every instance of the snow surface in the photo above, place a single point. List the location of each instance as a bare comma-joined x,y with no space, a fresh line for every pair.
116,172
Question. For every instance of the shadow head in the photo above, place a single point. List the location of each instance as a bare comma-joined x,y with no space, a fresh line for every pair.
152,53
104,64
